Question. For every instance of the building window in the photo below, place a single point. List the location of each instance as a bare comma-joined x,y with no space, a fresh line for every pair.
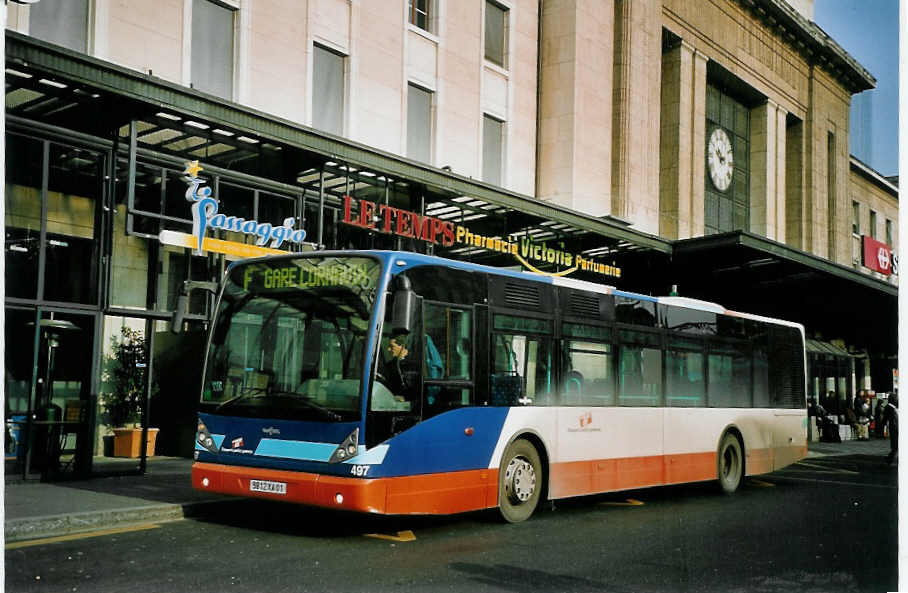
420,14
496,34
419,124
328,91
873,224
831,214
64,22
492,148
727,205
889,232
212,48
855,218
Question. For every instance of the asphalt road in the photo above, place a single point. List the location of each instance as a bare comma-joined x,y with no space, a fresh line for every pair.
824,525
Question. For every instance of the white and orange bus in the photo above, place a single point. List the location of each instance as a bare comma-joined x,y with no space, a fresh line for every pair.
399,383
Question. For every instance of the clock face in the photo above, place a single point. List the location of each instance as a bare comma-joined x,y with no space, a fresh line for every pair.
720,159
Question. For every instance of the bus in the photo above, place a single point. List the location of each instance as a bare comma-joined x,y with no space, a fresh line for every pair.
400,383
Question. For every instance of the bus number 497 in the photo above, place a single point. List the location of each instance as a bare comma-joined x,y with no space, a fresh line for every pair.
359,470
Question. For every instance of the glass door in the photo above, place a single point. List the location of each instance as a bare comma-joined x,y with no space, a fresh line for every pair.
19,336
49,382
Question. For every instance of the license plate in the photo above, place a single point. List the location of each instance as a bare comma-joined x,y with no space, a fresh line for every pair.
266,486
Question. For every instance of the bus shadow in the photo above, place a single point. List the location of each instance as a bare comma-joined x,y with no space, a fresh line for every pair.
303,521
277,517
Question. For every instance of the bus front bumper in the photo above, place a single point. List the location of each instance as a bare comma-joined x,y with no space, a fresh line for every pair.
445,493
352,494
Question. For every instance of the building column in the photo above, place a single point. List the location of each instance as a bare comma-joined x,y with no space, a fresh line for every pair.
767,171
682,137
794,185
636,96
763,169
698,149
575,105
780,195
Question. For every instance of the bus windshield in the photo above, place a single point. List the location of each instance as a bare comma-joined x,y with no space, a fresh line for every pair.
289,340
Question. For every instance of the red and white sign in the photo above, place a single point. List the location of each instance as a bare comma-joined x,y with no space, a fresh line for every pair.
877,255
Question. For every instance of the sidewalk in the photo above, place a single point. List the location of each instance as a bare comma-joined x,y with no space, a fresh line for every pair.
37,510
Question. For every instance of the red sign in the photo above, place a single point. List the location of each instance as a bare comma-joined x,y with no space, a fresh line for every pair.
387,219
877,255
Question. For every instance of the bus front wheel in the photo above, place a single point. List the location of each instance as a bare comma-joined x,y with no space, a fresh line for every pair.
520,480
730,463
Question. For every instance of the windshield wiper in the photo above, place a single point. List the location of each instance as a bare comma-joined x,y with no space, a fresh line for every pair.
245,393
261,392
308,402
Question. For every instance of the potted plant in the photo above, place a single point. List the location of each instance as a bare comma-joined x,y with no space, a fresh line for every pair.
126,376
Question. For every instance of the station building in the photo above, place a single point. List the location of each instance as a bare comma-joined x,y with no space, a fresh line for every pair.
653,145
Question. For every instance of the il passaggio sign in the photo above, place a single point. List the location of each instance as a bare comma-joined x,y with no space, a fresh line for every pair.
205,216
387,219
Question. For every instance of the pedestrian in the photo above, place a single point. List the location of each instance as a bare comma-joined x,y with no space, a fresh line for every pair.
878,418
891,417
862,411
851,419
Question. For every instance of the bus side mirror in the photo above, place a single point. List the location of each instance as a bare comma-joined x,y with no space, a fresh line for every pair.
403,306
179,312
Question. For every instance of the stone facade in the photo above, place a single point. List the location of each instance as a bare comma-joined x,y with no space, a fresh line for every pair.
617,90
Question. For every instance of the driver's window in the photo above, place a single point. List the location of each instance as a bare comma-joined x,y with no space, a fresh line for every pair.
396,384
448,374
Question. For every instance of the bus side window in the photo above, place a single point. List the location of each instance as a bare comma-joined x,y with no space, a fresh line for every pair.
729,375
588,375
521,370
685,379
639,369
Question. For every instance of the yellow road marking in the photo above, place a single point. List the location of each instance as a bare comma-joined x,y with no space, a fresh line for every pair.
827,470
75,536
631,502
402,536
759,483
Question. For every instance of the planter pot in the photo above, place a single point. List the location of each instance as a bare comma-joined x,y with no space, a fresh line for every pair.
128,440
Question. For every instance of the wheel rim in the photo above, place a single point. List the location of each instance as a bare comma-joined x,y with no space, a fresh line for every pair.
729,463
519,480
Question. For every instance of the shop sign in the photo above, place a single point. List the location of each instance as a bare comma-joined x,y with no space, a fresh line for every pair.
877,256
205,216
387,219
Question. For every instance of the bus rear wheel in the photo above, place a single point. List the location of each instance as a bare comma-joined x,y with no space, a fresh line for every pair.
520,480
730,463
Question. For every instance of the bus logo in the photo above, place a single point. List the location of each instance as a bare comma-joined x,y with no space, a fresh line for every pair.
271,431
584,424
237,443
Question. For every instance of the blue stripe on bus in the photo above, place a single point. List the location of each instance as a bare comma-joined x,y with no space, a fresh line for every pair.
439,444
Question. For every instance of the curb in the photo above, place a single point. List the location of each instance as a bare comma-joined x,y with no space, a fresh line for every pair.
56,525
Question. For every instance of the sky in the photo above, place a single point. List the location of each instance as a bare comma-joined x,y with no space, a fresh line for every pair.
869,31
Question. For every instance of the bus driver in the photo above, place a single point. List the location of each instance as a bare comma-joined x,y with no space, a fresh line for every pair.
394,369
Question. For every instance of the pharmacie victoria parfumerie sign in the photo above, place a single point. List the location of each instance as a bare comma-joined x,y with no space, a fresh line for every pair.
363,214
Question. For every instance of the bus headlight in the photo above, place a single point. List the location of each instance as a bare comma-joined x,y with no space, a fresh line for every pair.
203,438
346,449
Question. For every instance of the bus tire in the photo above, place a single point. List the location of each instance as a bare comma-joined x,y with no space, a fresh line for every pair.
520,481
730,464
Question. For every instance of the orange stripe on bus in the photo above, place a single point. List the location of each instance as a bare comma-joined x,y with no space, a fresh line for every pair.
442,493
455,492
